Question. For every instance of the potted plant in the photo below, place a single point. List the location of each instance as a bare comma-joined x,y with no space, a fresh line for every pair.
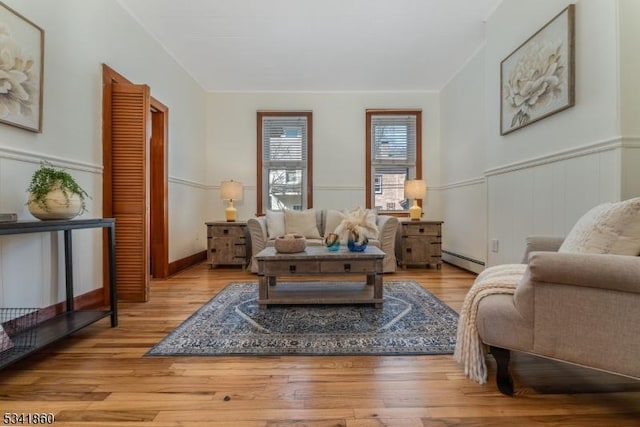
55,194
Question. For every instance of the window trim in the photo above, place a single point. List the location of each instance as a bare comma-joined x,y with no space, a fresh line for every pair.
369,187
309,187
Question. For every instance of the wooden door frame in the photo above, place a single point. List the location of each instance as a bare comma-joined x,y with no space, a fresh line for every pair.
159,184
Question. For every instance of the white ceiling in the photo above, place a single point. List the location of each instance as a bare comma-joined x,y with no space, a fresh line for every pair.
322,45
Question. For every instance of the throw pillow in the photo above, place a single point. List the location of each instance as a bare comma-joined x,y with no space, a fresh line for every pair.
372,214
301,222
609,228
333,218
275,224
5,341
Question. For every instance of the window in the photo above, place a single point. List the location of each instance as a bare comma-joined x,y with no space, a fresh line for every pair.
394,154
377,184
284,161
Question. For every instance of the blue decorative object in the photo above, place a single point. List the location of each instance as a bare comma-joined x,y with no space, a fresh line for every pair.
357,247
332,242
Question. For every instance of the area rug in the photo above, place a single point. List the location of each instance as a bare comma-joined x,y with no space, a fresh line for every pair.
411,322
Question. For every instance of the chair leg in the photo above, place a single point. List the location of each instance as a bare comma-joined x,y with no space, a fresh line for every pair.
503,378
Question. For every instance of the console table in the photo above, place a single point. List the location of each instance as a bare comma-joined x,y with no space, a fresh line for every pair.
71,320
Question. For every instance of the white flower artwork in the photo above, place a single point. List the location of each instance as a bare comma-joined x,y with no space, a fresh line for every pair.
537,79
21,57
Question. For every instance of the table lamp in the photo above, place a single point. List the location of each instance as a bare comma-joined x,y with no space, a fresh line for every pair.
230,190
415,189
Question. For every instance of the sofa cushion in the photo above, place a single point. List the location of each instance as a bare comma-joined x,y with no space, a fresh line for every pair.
333,218
609,228
275,224
301,222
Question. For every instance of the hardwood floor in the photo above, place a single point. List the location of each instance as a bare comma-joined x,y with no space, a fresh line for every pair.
100,377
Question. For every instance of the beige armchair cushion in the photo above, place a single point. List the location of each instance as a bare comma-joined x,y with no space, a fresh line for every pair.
609,228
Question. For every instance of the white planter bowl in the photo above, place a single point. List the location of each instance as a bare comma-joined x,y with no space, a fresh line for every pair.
58,206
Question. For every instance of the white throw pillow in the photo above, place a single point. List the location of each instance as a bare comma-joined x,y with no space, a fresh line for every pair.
301,222
275,224
609,228
372,214
333,218
5,341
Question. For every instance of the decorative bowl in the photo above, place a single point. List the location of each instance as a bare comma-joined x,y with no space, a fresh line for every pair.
290,243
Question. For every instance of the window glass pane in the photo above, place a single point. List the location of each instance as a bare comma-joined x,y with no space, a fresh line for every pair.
391,194
285,189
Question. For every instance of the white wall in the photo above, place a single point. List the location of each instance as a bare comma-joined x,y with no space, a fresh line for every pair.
338,143
594,118
464,140
541,178
629,14
79,37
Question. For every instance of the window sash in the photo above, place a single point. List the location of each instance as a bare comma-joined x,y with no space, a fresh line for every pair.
285,149
394,148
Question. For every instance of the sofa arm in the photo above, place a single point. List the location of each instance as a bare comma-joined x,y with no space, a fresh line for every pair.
604,271
258,231
387,229
541,243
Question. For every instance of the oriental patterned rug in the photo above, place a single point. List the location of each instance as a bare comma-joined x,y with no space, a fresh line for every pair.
411,322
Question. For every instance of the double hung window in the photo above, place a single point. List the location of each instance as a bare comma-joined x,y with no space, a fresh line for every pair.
284,160
394,153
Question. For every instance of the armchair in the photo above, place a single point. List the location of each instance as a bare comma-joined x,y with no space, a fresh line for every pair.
575,300
578,308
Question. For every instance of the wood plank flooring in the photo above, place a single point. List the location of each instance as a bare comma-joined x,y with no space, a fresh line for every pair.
99,377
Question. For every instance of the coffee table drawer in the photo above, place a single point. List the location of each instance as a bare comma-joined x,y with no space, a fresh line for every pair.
291,267
348,267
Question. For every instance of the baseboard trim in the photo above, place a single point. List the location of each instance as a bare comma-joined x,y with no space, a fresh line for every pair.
464,262
90,300
184,263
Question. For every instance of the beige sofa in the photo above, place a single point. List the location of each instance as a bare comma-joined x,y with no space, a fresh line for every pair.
387,227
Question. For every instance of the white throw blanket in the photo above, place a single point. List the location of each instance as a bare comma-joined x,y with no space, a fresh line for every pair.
470,351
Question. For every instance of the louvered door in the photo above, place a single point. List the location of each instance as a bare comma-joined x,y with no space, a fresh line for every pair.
131,124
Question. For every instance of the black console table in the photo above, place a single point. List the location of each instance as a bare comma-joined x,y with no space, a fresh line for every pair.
71,320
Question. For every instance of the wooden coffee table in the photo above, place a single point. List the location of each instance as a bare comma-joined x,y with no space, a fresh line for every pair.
319,260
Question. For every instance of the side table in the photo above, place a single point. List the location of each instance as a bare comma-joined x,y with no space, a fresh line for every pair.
227,243
419,243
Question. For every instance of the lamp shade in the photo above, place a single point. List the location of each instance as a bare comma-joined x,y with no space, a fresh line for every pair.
415,189
231,190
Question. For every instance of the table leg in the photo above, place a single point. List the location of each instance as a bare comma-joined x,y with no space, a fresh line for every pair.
263,290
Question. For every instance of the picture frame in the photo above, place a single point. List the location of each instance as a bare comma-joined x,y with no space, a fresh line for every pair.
538,78
22,47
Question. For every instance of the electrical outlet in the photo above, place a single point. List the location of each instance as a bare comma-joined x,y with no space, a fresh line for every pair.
494,245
